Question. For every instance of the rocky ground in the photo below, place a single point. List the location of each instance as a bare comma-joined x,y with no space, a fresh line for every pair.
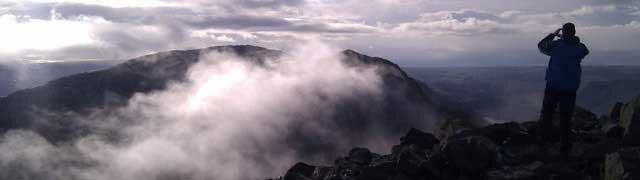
603,148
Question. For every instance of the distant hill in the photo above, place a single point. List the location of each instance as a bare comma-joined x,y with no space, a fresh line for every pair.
515,93
599,96
21,75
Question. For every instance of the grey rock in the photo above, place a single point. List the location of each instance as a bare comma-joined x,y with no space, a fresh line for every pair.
614,111
623,164
300,171
471,155
523,172
360,156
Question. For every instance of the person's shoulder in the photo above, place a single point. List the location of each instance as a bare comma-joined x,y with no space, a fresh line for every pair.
580,42
584,48
583,45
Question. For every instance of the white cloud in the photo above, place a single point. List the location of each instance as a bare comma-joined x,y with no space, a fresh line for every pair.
464,22
223,38
109,3
20,33
278,23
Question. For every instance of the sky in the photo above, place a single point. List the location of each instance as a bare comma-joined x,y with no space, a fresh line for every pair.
408,32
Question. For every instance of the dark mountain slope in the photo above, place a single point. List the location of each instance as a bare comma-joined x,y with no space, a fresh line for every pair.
110,87
49,109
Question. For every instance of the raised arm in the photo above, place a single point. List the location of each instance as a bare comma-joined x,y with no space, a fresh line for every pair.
545,44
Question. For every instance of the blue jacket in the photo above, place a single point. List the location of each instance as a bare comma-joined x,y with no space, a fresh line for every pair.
564,68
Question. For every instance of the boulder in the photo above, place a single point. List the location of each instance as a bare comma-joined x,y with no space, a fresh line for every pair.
564,169
598,151
613,130
510,154
514,144
410,159
579,149
300,171
613,169
413,151
360,156
346,169
470,155
523,172
380,169
419,138
630,118
321,172
623,164
529,126
383,162
614,111
584,120
499,133
400,176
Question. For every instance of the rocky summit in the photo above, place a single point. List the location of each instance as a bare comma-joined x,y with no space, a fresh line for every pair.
603,148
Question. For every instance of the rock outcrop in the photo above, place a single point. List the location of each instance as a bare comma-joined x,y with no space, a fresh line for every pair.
630,118
495,152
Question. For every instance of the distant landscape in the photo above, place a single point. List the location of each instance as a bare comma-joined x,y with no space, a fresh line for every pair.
21,75
515,93
500,93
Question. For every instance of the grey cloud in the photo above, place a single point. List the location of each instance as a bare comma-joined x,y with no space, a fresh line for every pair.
474,22
139,40
606,15
240,4
270,3
466,14
134,15
276,23
237,22
125,37
33,10
190,18
463,22
265,23
598,15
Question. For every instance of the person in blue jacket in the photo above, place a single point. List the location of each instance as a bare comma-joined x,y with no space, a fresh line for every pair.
563,80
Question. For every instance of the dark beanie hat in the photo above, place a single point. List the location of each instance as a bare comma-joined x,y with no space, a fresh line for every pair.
568,29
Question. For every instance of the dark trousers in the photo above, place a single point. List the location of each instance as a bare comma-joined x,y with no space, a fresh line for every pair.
565,102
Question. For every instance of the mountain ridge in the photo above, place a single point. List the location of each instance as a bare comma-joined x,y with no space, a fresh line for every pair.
404,101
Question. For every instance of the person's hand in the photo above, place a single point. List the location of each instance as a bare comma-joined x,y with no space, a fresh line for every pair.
557,32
